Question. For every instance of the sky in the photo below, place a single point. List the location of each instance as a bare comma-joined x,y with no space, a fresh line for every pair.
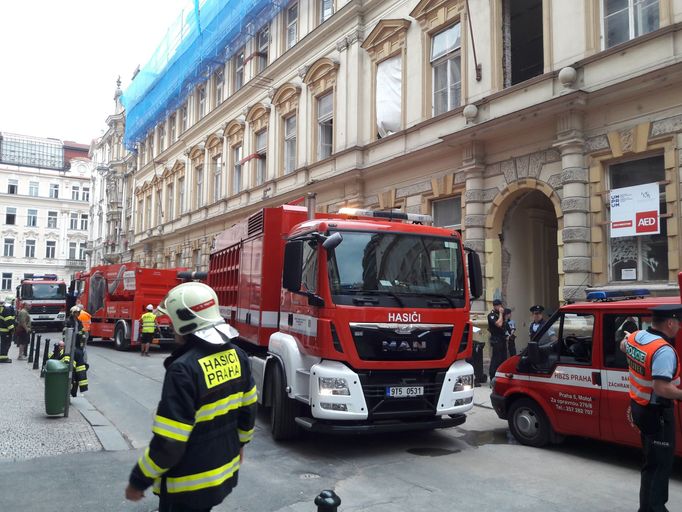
60,61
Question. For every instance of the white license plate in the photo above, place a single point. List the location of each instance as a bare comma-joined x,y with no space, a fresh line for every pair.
43,318
404,391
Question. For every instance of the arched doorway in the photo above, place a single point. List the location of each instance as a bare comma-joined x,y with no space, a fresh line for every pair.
529,257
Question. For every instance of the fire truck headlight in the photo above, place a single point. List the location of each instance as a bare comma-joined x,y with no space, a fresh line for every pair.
464,383
333,386
60,316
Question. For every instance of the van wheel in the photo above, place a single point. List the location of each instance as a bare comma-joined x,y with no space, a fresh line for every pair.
528,423
284,409
120,340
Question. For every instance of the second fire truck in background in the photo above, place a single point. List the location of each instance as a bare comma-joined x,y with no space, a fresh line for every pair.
45,299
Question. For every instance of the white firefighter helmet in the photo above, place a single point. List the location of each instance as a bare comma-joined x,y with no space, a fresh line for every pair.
193,309
149,307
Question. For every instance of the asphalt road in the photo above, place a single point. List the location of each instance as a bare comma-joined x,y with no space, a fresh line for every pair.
475,467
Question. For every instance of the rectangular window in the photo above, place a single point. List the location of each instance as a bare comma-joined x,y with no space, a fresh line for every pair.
31,218
13,187
81,250
626,19
33,189
84,221
73,247
644,257
75,192
52,220
217,178
169,202
30,249
219,78
73,221
86,194
181,195
201,101
289,144
162,136
447,213
172,127
263,41
238,70
326,9
325,126
142,150
11,216
446,64
183,118
388,96
6,281
523,56
262,152
9,247
54,190
292,25
615,328
50,249
199,183
140,210
159,207
148,212
236,169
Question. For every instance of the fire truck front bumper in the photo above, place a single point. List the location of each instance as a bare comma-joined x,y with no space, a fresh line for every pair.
378,427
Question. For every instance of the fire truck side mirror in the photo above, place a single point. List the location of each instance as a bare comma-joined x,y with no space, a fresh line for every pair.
293,266
475,274
332,241
533,352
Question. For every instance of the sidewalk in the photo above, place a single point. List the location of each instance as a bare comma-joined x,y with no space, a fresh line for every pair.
27,431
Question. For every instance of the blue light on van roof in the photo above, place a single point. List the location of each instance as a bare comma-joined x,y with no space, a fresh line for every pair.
598,295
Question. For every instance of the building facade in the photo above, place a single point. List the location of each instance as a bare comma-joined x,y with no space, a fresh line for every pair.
45,193
111,209
508,120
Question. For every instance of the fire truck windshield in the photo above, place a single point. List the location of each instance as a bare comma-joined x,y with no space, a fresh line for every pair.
398,265
47,291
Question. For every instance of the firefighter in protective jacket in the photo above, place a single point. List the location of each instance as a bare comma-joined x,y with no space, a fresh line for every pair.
207,410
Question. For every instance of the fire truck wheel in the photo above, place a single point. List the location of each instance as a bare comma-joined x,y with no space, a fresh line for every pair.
120,340
284,409
528,423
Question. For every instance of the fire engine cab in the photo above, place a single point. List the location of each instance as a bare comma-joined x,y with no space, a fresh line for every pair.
572,379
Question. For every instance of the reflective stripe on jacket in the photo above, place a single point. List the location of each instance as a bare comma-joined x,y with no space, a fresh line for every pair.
6,319
148,320
206,414
640,349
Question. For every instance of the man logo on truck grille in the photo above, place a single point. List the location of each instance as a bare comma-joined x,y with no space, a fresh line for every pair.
221,367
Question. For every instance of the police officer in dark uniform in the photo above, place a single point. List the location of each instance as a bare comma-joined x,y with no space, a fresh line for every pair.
207,410
498,340
537,320
654,379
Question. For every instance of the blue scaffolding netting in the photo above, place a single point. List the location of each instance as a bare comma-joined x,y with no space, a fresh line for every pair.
204,36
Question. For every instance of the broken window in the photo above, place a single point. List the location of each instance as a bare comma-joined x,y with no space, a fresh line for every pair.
522,40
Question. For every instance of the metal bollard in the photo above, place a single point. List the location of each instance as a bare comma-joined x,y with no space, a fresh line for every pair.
327,501
30,352
45,354
35,360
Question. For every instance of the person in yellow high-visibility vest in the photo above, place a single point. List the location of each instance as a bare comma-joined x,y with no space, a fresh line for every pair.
148,326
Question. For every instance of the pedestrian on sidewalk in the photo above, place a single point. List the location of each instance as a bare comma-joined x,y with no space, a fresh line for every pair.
148,323
207,410
7,319
498,343
510,332
22,332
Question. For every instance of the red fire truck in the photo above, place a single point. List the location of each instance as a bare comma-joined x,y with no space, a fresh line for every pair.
355,322
116,296
45,299
573,378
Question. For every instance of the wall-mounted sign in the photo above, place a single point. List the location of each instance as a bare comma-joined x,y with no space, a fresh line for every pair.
635,211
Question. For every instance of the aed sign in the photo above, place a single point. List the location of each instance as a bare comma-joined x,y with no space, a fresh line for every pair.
635,211
221,367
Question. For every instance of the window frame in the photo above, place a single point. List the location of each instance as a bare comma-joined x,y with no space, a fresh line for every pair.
239,69
75,192
262,47
288,24
219,85
84,221
13,187
442,201
54,190
73,250
6,281
31,218
217,164
321,10
30,248
237,155
51,218
85,194
261,152
11,214
50,247
33,188
8,248
320,122
446,58
199,184
631,22
289,139
201,101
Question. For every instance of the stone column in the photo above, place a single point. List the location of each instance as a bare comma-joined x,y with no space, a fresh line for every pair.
575,234
474,206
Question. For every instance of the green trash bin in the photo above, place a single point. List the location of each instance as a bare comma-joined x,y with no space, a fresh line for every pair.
56,386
